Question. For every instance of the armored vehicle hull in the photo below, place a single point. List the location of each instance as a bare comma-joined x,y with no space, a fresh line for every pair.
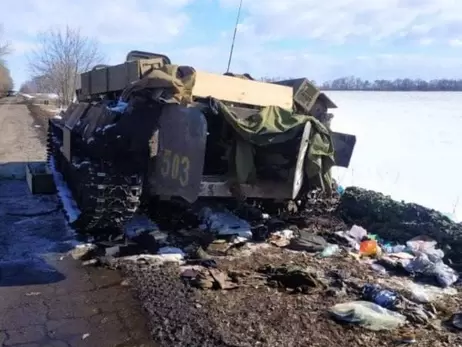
147,128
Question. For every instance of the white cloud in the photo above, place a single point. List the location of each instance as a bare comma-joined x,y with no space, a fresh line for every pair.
267,26
112,21
426,41
20,48
340,20
261,62
455,42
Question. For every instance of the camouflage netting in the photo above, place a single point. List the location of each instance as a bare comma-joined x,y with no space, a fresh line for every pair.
398,221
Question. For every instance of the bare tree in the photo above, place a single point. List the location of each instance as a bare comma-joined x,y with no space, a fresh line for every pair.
26,88
5,46
61,56
37,84
6,82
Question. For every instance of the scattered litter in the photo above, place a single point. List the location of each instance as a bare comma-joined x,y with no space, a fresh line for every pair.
379,269
368,315
202,262
422,264
354,236
419,295
308,242
293,277
421,243
358,233
387,248
90,262
171,251
154,259
84,336
207,278
33,294
238,240
329,251
456,321
368,248
225,223
407,338
112,251
418,292
286,233
140,224
382,297
81,250
125,283
281,238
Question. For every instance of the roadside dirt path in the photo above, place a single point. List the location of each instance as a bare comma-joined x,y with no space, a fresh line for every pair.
18,139
47,299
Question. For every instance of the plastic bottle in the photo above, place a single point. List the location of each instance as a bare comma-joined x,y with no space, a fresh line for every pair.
382,297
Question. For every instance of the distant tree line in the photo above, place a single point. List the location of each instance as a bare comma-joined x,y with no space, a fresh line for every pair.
399,84
6,82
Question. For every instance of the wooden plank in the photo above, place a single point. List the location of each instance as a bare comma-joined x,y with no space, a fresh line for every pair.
242,91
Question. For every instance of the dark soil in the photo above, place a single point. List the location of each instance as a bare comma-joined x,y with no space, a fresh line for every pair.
256,314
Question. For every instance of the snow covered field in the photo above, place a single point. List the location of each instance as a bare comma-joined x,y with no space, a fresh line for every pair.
408,146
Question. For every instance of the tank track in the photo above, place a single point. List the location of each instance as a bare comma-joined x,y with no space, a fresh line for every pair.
106,198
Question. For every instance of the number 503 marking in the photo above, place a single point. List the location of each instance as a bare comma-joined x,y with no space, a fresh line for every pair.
175,166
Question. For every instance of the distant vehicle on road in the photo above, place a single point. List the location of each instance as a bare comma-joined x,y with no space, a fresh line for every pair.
10,93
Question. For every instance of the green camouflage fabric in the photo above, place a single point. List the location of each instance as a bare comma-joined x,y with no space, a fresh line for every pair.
276,125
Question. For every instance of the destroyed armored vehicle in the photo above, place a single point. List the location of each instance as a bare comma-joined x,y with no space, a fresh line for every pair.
149,129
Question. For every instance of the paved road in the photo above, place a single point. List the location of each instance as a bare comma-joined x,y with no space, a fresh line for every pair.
47,298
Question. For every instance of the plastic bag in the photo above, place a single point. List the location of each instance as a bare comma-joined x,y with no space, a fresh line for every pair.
358,233
382,297
445,275
422,264
368,315
421,244
225,223
329,251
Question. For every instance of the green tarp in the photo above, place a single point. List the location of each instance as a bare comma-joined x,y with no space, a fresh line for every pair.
275,125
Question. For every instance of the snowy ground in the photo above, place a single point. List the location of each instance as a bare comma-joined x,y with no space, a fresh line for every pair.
408,145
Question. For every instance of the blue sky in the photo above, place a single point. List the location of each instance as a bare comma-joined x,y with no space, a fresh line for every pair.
282,38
